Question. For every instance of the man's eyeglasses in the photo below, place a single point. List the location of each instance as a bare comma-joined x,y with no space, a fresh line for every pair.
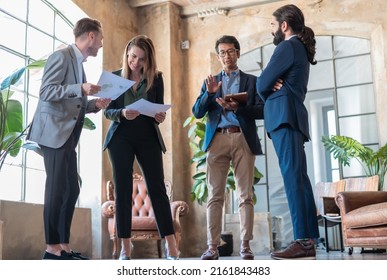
230,52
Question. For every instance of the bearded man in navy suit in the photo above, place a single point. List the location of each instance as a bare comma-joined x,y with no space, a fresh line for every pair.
286,122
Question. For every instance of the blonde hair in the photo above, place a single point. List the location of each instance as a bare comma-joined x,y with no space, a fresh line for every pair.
149,72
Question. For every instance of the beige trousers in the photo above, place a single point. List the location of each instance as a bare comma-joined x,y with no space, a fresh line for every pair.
225,149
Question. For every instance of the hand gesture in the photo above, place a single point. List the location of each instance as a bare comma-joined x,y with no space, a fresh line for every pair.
212,85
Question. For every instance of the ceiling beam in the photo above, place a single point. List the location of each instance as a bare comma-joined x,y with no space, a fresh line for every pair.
194,9
140,3
228,4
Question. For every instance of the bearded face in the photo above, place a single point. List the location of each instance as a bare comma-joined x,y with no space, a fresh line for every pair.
279,36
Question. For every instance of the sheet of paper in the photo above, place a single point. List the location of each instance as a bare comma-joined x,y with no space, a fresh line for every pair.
112,85
148,108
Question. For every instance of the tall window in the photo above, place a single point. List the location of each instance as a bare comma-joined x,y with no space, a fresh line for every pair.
344,72
340,101
31,30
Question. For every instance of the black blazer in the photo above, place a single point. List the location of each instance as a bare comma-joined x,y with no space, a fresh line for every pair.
113,111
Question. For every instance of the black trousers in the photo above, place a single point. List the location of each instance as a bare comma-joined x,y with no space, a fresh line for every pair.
137,139
62,189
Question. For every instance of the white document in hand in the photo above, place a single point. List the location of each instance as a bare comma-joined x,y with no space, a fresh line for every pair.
148,108
112,85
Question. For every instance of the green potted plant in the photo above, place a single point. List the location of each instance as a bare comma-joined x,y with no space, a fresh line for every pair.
199,192
344,148
11,114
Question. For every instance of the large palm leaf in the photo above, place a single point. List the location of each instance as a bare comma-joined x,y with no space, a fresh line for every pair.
11,114
344,149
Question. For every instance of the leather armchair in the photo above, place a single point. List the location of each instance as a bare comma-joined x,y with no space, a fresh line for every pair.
364,218
144,225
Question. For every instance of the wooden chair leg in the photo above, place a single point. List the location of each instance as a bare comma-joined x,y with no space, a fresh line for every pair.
115,245
178,238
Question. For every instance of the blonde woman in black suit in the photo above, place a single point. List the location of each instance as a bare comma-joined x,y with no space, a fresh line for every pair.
131,136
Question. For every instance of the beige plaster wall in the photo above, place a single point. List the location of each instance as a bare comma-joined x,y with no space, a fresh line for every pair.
22,231
184,70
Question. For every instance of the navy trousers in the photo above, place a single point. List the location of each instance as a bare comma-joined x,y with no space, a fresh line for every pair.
289,146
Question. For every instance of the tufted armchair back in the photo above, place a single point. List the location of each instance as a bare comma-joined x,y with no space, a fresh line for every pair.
144,225
142,206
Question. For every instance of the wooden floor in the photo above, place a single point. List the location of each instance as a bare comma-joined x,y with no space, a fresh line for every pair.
323,255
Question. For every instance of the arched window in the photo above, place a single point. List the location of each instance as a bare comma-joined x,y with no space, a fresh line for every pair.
340,101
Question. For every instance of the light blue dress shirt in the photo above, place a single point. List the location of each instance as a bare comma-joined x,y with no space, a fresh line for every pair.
230,85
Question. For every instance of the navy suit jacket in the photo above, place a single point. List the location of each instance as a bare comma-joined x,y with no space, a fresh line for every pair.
289,62
246,114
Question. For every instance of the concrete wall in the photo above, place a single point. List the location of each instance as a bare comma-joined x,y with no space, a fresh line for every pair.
22,231
262,243
184,70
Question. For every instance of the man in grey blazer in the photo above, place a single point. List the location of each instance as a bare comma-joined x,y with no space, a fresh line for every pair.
57,126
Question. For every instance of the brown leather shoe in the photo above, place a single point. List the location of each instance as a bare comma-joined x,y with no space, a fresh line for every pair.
297,250
246,254
210,255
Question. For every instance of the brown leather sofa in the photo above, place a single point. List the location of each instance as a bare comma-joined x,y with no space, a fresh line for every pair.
144,225
364,219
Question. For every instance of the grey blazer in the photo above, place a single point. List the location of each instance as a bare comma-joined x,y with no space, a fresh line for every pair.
60,101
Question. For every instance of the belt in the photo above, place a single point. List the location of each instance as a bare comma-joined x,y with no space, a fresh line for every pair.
230,129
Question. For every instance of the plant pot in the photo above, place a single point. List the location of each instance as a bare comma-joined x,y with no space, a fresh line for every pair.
226,244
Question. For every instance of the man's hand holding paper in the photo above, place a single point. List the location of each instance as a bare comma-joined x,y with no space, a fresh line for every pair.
112,85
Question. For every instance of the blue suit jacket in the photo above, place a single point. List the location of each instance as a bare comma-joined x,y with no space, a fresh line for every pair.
286,106
246,114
